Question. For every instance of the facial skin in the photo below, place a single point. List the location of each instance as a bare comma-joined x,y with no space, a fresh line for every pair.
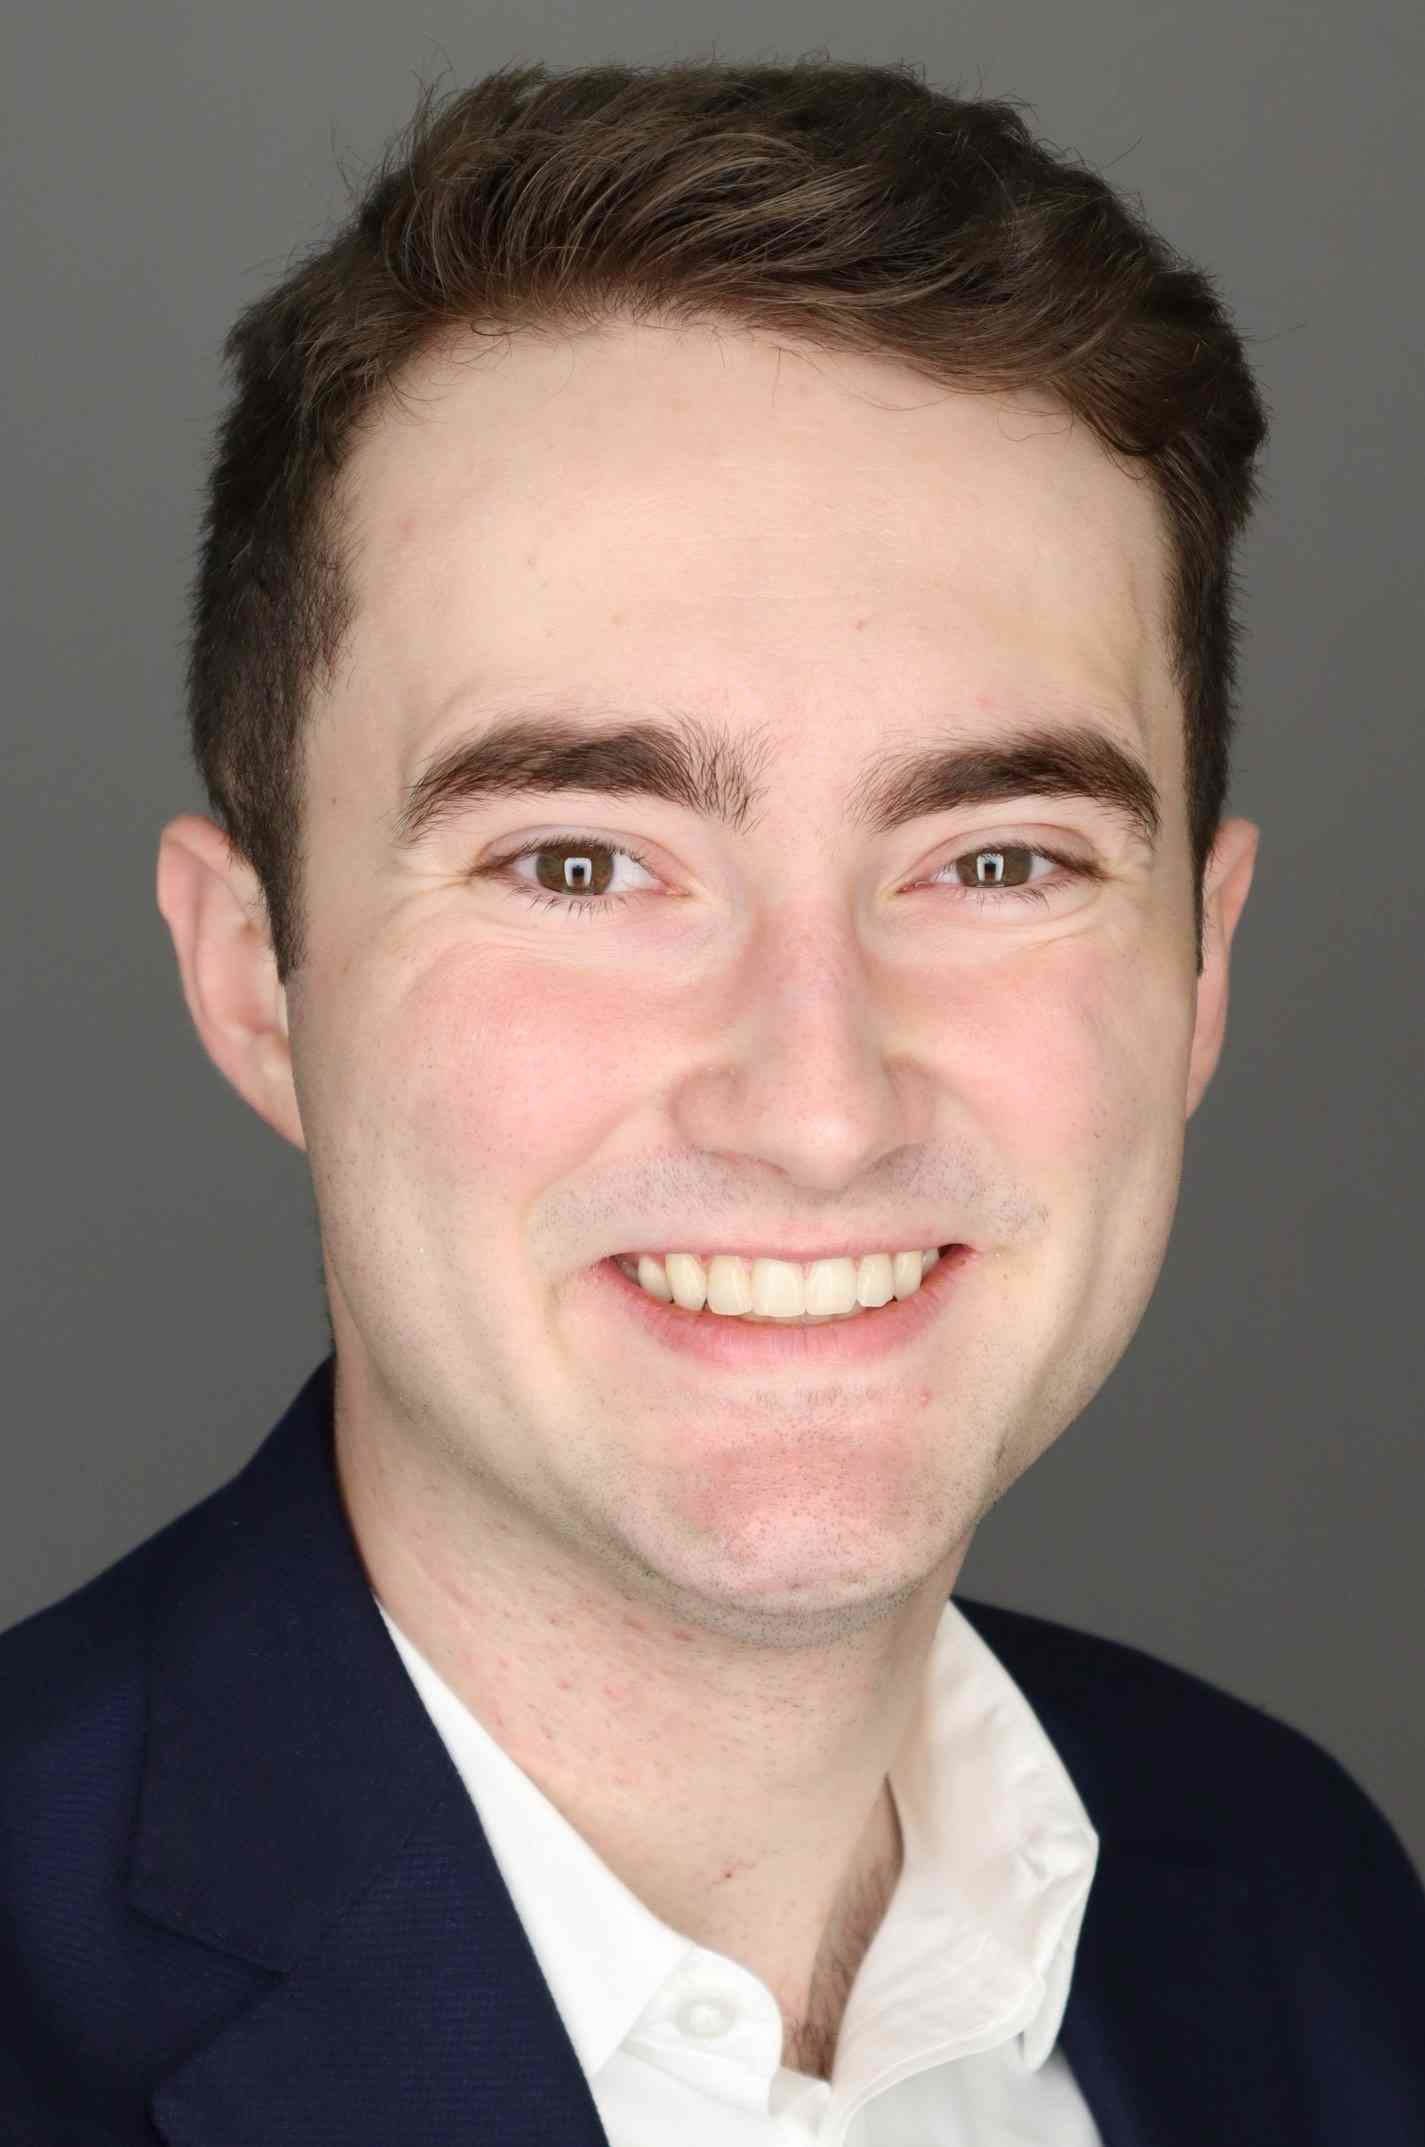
695,1604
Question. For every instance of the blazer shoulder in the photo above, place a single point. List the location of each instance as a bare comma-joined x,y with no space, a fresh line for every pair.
1159,1752
79,1662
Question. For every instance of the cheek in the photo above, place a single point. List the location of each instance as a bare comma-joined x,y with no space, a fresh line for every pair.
1117,1073
1084,1068
1090,1117
503,1070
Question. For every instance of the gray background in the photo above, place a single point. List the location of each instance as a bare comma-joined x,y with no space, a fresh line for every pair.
1245,1496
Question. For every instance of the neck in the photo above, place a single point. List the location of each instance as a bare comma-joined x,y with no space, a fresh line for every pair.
740,1791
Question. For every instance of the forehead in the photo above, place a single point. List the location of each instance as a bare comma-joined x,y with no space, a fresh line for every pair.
723,521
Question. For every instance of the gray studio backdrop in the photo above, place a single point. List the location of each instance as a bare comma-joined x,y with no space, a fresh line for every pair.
1245,1496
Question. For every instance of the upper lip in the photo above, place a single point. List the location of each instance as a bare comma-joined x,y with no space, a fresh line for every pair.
748,1246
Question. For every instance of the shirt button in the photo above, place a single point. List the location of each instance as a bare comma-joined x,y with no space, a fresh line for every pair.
704,2016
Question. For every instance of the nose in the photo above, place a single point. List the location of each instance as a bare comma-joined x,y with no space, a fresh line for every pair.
804,1062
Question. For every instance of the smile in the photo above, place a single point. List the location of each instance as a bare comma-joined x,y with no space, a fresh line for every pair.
753,1288
752,1341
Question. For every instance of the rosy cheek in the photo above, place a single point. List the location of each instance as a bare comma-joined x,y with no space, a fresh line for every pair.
508,1072
1021,1045
1116,1073
1060,1062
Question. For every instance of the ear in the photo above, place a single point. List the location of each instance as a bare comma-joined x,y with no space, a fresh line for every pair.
1228,878
212,903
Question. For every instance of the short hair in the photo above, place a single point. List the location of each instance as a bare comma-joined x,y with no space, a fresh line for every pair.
848,207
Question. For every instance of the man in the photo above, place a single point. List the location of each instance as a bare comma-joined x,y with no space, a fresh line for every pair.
712,664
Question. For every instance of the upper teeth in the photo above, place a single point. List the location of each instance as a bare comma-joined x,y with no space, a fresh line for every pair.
780,1289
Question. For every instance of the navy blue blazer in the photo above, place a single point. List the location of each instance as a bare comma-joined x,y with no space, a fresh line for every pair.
245,1900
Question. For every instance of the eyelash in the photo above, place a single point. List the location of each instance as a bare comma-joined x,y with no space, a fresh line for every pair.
580,905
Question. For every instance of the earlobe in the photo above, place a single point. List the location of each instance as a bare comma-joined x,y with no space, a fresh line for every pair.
1229,879
211,900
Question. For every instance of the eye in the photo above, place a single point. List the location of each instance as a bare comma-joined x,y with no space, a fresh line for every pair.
579,882
1001,872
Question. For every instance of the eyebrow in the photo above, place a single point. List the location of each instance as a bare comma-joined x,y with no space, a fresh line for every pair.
693,764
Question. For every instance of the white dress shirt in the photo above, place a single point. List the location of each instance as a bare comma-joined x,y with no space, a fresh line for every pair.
949,2031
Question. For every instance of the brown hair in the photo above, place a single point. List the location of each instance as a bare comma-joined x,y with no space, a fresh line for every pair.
849,207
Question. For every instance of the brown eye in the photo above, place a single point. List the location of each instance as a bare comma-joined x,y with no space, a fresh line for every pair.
995,874
584,868
1009,865
573,873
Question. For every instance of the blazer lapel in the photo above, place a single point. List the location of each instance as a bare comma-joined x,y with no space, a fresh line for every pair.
1174,2028
300,1811
419,2015
1169,2029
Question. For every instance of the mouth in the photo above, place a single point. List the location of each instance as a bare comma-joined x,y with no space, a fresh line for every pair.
733,1341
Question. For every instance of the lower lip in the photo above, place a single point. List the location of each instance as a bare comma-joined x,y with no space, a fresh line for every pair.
757,1345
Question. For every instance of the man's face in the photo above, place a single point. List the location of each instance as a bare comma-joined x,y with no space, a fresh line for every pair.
799,1028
